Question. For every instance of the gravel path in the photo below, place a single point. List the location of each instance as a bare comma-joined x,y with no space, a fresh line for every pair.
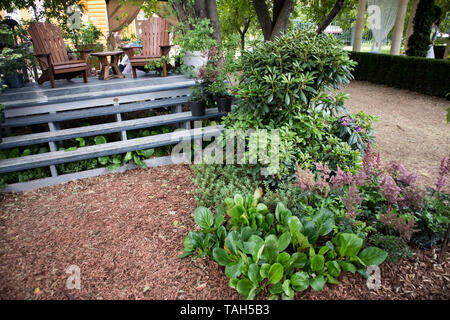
124,231
412,127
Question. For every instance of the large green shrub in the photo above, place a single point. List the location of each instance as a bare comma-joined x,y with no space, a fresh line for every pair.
428,76
287,84
281,77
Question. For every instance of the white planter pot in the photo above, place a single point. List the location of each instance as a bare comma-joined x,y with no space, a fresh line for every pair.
195,59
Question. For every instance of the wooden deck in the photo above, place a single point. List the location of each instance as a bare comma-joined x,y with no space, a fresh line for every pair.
71,100
75,90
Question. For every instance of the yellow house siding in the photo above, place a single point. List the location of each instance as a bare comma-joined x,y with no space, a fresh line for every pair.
96,9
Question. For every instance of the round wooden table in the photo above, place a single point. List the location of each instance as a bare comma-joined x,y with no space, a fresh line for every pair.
106,65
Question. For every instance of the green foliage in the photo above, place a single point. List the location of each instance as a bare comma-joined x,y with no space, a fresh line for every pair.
12,60
6,36
194,36
285,76
87,35
428,76
317,11
237,18
216,182
198,93
395,247
419,41
276,253
23,175
53,9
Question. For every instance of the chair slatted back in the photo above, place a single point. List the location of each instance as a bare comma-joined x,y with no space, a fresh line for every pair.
155,33
47,38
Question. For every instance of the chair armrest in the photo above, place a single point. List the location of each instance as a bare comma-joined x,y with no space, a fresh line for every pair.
130,47
84,54
85,50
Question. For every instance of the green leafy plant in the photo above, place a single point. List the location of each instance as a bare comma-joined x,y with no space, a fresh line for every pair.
276,253
281,77
395,247
12,60
216,182
198,93
87,35
194,35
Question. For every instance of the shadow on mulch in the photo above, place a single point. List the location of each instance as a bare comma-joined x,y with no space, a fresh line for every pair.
125,232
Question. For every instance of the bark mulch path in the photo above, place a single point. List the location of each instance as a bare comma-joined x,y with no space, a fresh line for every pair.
123,230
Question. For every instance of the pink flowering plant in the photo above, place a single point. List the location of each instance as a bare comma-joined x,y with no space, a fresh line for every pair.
379,198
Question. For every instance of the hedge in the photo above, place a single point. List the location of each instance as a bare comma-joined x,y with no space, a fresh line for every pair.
428,76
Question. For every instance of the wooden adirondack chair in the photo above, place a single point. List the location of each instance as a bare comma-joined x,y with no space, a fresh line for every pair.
155,45
50,51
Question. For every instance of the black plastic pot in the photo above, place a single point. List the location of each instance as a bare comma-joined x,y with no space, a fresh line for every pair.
14,80
197,108
224,104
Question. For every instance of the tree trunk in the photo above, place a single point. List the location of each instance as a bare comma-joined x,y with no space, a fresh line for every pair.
333,13
243,33
211,9
281,12
359,26
281,22
410,28
397,33
263,17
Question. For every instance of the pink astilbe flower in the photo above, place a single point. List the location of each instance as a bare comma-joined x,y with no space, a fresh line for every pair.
371,161
323,169
444,171
353,198
398,171
341,179
390,189
307,182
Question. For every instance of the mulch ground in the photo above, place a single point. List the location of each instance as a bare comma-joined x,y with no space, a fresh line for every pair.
125,231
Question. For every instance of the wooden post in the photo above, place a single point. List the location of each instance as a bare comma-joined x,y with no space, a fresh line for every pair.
359,27
397,33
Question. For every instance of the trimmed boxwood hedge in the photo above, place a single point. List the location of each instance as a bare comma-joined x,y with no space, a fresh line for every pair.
428,76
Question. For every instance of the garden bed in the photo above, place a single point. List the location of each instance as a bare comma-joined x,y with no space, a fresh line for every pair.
126,242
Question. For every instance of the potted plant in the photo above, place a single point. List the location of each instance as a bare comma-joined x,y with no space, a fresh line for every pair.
11,61
197,101
194,39
219,91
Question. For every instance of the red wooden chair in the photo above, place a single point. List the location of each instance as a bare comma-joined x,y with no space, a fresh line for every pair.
155,45
50,51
